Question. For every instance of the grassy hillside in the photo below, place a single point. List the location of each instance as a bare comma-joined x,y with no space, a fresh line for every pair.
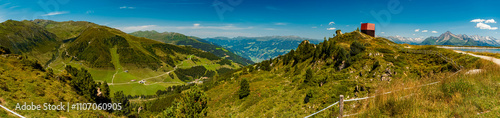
180,39
355,65
24,80
25,37
260,48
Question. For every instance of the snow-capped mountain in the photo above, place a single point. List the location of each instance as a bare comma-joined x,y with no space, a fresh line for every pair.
486,39
401,40
449,38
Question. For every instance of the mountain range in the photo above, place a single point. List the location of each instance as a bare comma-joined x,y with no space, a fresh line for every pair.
449,38
181,39
402,40
260,48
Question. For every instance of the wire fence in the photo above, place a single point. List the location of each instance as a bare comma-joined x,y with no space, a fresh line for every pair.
364,98
12,111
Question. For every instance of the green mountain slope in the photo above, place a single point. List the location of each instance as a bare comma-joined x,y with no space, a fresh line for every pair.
23,80
110,55
260,48
355,65
180,39
25,37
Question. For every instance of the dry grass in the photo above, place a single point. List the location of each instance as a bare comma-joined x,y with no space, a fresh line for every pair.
459,95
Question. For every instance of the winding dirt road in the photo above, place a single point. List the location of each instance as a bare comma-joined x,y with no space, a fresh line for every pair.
494,60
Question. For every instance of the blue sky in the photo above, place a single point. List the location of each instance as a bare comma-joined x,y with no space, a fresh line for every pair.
305,18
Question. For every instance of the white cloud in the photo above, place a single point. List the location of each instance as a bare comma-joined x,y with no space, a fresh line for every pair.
332,28
424,30
416,30
382,32
485,26
331,23
280,23
196,25
269,29
490,21
483,20
314,27
413,34
477,20
434,32
125,7
56,13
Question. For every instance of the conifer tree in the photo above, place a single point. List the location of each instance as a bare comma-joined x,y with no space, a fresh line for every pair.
308,76
244,89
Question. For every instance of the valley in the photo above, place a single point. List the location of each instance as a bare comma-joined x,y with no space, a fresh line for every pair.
101,50
259,49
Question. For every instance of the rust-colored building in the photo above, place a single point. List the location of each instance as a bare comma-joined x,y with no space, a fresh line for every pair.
368,28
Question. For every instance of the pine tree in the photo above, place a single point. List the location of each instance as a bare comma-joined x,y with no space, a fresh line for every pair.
308,76
244,89
342,58
192,104
317,52
105,89
119,97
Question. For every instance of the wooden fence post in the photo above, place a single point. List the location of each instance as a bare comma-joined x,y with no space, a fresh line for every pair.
341,105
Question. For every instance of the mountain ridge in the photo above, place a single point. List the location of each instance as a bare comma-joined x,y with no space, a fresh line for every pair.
448,38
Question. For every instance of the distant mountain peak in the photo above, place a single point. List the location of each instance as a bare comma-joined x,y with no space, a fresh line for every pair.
447,33
449,38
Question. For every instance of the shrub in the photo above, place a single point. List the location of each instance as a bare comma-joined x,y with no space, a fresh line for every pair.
356,48
4,50
308,96
377,64
224,62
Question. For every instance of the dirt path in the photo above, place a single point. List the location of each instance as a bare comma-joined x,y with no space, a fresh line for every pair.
494,60
112,79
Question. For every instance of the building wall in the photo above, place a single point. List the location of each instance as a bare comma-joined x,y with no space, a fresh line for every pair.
369,32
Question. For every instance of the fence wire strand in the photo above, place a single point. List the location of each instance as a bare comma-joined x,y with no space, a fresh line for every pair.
12,112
